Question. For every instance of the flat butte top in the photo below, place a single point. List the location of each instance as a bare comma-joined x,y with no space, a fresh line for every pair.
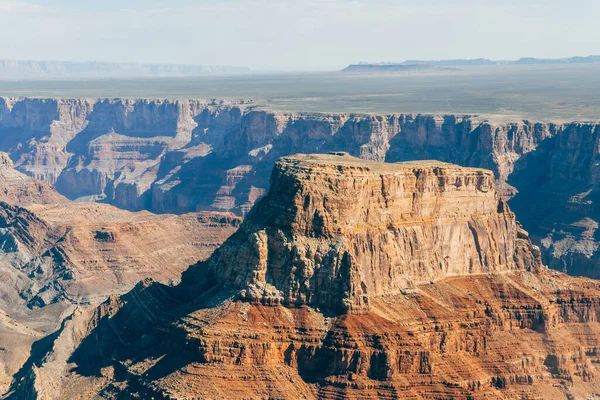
314,162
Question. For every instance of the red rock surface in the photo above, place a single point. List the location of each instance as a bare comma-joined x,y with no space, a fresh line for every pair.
56,254
514,330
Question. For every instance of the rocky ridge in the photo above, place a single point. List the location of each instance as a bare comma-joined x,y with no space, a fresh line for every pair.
18,188
56,254
503,328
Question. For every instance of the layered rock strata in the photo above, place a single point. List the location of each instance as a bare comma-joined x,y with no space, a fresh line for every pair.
180,156
505,328
185,156
18,188
335,230
56,254
56,257
559,198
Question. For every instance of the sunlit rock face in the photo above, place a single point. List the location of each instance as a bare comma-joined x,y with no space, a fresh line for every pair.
335,230
349,279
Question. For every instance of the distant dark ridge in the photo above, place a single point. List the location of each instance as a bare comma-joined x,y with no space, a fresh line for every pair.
99,69
457,62
570,60
521,61
394,68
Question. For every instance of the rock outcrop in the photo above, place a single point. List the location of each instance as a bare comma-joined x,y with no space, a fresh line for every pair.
56,254
18,188
186,156
56,257
332,226
506,329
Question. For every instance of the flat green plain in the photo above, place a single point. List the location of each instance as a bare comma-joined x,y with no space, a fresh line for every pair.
536,92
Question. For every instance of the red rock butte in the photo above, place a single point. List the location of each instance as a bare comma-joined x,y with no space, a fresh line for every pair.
335,230
350,279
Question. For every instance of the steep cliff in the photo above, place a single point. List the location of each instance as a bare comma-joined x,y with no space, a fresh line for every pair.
179,156
333,225
505,327
184,156
559,187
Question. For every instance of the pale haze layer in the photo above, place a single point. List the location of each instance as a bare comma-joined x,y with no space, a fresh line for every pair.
294,34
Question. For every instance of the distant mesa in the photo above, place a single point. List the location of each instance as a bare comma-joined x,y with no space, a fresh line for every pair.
456,62
363,68
520,61
432,65
22,69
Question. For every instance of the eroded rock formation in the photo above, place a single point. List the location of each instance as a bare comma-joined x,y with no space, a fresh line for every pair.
18,188
55,254
180,156
409,328
558,199
332,226
186,156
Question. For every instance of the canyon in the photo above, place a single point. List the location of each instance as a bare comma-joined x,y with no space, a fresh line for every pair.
368,272
56,255
351,278
180,156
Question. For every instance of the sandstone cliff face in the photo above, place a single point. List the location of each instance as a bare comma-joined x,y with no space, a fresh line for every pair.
136,153
508,329
234,141
332,226
35,131
185,156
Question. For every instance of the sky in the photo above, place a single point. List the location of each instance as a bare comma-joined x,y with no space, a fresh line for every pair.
295,34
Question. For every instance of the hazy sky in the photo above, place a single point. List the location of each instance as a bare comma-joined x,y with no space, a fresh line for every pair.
295,33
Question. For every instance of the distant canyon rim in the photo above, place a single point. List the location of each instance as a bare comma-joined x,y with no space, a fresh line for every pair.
180,156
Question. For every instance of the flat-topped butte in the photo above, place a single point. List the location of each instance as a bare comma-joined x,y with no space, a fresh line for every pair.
344,159
335,230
